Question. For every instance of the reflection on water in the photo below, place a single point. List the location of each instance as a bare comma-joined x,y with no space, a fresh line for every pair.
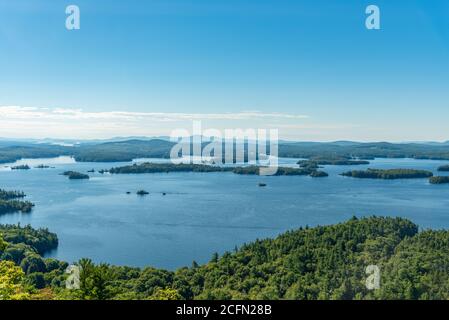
188,216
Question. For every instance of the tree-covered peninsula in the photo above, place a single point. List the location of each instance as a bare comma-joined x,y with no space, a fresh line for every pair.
149,167
170,167
11,202
444,168
324,262
388,174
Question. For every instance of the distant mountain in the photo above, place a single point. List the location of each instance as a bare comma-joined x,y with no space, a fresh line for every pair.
345,143
124,149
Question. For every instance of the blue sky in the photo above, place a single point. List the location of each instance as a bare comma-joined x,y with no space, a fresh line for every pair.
307,67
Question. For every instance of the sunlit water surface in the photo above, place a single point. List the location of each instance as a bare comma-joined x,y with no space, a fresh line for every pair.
202,213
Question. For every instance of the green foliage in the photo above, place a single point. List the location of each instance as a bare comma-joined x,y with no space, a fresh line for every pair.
36,280
9,204
324,262
444,168
11,286
169,167
281,171
9,195
38,240
95,280
388,174
166,294
419,268
33,263
165,168
3,244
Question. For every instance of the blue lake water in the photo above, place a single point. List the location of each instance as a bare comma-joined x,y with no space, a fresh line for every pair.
203,213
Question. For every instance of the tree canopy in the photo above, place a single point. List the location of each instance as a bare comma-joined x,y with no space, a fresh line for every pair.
324,262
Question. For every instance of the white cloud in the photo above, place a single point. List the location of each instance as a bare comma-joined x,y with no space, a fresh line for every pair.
32,122
15,112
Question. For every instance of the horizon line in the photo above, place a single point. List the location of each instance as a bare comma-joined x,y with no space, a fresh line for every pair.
164,137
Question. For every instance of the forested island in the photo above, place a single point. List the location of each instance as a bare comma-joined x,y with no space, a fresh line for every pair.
339,161
74,175
364,151
11,202
148,167
281,171
170,167
444,168
388,174
21,167
324,262
142,193
439,180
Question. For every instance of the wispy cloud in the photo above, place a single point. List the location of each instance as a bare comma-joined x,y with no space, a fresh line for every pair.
16,112
37,122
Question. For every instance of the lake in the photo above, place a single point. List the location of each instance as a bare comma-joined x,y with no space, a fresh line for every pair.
203,213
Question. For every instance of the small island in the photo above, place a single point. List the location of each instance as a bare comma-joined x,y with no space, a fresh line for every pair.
388,174
142,193
21,167
10,202
444,168
170,167
439,180
42,166
319,174
281,171
73,175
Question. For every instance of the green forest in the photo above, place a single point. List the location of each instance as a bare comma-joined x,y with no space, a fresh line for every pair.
340,152
249,170
324,262
388,174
